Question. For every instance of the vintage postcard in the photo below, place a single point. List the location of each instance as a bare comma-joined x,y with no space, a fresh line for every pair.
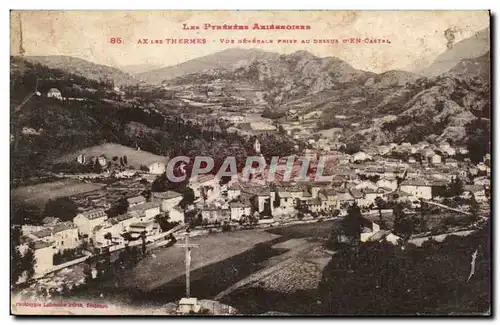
250,163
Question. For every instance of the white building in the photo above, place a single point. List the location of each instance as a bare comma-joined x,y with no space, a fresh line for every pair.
65,236
147,211
418,188
54,93
88,220
170,199
157,168
360,156
176,215
136,200
239,209
150,228
233,192
256,146
436,159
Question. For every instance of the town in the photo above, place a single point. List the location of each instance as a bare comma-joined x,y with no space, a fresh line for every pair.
249,182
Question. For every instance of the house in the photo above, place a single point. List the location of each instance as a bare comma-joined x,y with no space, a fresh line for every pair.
366,184
65,236
388,182
398,196
370,195
344,198
157,168
239,209
212,214
54,93
329,199
286,201
146,211
188,305
451,162
50,221
479,192
102,160
44,235
150,228
86,221
136,200
208,181
114,227
360,156
233,192
314,204
170,199
176,214
315,190
44,257
435,159
446,148
418,188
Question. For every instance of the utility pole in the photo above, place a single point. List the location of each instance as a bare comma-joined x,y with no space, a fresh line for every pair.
187,249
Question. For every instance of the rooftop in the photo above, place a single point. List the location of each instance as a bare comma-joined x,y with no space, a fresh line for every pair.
63,226
145,206
41,244
136,199
167,195
94,214
42,233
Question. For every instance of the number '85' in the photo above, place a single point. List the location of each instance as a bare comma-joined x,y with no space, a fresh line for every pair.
116,40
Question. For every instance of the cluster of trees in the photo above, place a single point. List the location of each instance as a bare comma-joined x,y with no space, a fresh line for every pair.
384,279
63,208
21,263
164,221
67,255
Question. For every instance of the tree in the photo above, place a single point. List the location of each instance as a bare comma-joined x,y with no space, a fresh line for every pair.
352,148
455,188
402,224
187,197
164,221
380,203
25,213
125,160
97,168
121,205
63,208
108,236
147,194
478,139
351,224
16,270
143,246
474,207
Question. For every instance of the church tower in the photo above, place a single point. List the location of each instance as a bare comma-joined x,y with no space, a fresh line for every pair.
256,146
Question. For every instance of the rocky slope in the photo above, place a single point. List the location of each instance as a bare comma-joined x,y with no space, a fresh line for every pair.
227,59
471,47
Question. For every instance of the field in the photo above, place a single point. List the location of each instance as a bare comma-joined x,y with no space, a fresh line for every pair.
135,158
168,263
220,261
39,194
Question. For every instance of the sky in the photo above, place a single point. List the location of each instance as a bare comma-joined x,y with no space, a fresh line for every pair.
416,37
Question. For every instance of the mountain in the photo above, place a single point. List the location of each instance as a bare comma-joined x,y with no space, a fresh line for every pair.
84,68
139,68
227,59
480,67
468,48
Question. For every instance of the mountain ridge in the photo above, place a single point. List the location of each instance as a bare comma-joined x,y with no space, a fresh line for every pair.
84,68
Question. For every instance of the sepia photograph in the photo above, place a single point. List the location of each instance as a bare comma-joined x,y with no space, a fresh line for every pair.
250,163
